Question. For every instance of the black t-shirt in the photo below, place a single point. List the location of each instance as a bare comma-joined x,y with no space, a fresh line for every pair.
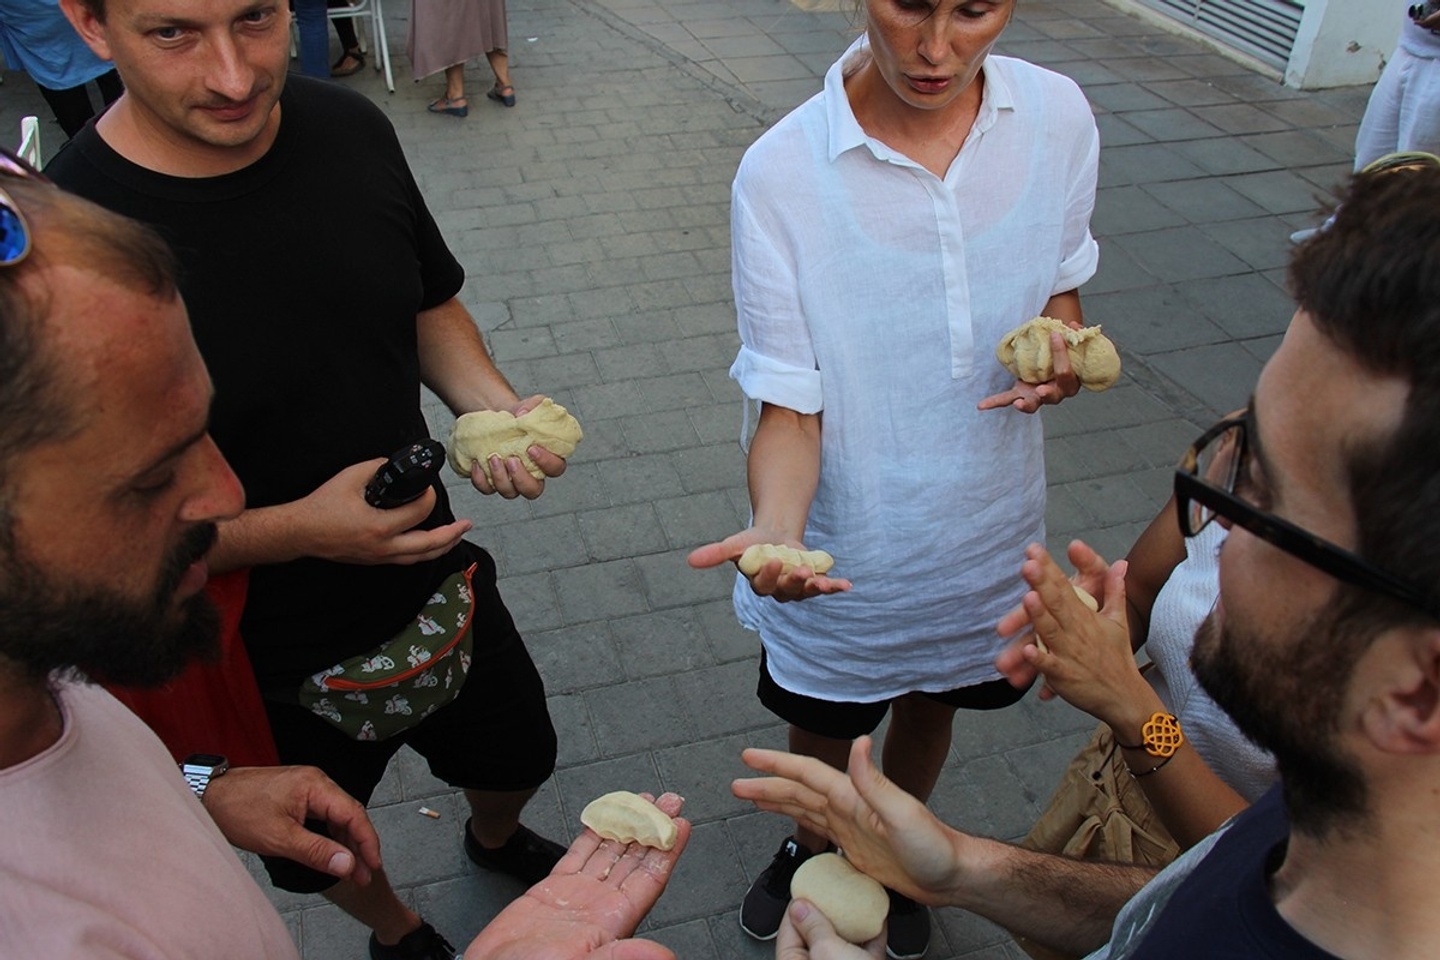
303,274
1223,908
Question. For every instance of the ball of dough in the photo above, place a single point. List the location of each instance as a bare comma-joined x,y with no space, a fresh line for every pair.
479,436
758,554
1025,352
630,818
855,904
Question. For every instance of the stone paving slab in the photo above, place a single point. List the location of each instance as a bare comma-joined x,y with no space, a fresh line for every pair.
592,220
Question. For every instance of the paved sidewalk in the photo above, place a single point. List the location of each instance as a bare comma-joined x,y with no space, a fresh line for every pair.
593,221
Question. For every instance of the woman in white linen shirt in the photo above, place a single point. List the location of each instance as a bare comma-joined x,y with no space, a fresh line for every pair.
886,234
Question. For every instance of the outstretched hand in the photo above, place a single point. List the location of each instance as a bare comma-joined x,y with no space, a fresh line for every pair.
589,904
807,934
801,583
1029,397
884,831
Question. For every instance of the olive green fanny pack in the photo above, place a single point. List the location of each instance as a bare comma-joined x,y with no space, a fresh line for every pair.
408,677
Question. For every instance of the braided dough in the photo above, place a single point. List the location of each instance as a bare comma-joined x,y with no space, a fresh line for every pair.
479,436
629,817
1025,352
758,554
854,903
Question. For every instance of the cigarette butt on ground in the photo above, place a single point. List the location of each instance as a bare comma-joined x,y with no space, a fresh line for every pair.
427,812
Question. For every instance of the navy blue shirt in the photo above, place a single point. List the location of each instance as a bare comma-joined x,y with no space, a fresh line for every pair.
1223,908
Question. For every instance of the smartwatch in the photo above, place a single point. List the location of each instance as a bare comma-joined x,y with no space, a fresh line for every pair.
200,768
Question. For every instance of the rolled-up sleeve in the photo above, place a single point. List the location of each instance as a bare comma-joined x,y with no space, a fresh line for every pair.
1082,253
776,363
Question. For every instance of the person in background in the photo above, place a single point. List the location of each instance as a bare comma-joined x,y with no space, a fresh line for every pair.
446,33
1403,113
36,37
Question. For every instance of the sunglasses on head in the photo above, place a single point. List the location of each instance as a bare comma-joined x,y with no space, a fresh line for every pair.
14,230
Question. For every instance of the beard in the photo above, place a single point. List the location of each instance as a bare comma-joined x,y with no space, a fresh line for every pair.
1287,698
48,625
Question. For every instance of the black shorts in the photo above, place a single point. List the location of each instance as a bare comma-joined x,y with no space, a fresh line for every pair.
843,720
496,735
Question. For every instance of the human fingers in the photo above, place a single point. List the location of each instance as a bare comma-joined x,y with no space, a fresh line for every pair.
550,464
348,822
631,950
1012,664
478,479
418,546
645,880
502,477
1021,396
528,404
722,551
1066,381
813,936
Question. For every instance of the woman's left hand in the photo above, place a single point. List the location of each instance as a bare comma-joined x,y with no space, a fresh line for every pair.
1029,397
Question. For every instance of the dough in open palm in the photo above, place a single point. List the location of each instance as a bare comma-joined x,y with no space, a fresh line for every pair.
1025,352
630,818
758,554
479,436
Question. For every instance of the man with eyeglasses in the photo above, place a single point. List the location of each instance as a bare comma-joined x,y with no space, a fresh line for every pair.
1324,647
322,296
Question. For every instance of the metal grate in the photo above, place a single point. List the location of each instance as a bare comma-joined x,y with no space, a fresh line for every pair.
1265,29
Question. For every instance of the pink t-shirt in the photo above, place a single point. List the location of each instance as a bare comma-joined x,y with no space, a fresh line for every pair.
105,853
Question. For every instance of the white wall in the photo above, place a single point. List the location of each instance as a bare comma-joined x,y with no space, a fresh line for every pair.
1343,42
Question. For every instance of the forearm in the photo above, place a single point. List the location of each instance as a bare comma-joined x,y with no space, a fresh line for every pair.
455,363
1188,797
1065,306
784,470
258,536
1060,902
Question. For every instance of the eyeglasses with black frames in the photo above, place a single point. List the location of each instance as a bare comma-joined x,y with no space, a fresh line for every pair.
1205,489
14,231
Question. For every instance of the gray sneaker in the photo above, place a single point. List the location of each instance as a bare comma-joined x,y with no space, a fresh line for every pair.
764,905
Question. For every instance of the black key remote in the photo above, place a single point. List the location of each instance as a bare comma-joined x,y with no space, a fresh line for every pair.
405,475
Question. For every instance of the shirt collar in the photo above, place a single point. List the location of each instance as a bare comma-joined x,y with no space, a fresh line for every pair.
845,131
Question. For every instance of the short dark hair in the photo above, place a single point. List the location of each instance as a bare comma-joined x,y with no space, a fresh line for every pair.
64,230
1371,283
96,8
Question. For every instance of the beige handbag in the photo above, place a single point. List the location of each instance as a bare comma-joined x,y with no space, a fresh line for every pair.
1099,812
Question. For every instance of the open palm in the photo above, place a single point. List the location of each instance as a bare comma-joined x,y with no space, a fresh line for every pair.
589,904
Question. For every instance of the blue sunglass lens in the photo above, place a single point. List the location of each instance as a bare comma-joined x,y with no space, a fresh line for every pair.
14,237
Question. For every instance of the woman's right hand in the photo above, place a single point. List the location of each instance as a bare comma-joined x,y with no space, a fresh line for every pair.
801,583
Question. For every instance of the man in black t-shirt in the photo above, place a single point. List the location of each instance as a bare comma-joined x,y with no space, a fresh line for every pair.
1324,648
322,296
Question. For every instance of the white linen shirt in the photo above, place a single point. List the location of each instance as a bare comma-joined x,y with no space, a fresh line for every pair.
876,292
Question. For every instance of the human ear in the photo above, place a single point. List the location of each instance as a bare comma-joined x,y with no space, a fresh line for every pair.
90,27
1403,716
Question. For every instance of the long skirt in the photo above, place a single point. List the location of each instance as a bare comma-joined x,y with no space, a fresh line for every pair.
446,32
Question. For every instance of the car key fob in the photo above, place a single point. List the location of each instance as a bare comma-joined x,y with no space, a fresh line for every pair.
405,475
